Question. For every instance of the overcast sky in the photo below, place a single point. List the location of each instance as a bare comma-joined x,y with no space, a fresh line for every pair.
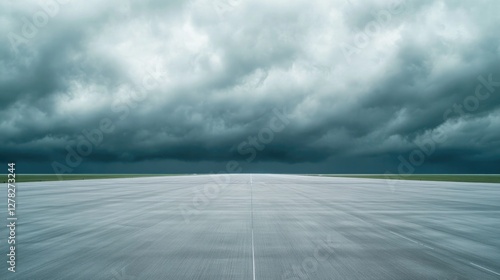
345,86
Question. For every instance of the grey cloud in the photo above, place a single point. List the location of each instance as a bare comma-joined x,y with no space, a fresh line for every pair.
218,77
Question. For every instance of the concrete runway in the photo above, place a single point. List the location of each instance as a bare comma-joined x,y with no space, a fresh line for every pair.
254,227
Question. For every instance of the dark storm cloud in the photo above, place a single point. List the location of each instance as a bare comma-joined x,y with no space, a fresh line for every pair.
191,81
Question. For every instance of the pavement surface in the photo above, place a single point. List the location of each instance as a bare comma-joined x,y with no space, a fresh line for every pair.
254,226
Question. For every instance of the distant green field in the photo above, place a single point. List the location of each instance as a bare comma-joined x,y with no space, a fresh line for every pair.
53,177
494,178
486,178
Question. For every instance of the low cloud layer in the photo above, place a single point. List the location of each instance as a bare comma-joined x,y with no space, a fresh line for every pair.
326,86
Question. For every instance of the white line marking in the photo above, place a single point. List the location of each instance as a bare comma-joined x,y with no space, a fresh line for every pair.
409,239
414,241
251,205
428,246
489,270
253,258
